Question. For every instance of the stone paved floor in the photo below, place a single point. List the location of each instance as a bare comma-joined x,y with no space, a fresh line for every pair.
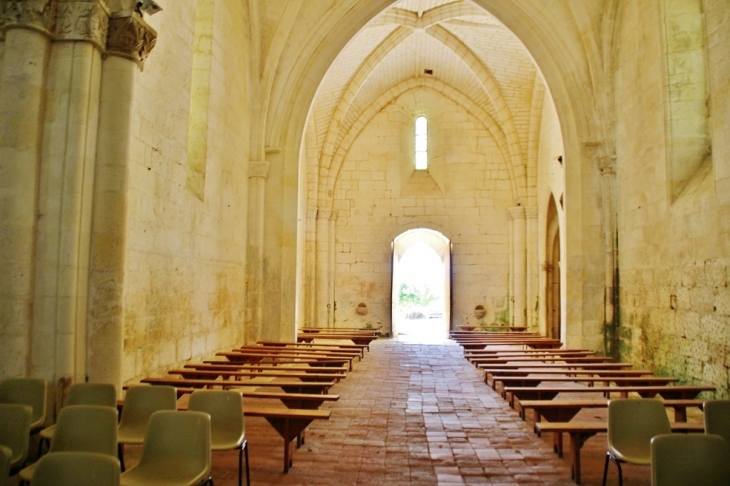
413,414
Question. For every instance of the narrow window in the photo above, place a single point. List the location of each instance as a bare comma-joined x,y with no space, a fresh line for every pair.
421,143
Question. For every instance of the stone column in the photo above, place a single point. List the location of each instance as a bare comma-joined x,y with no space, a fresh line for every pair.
532,267
129,42
323,273
258,172
517,214
66,188
610,245
310,277
26,28
331,231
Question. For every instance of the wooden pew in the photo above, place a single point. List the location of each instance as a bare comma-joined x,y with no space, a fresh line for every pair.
291,344
526,361
565,410
579,432
576,365
286,351
229,366
266,361
534,381
548,393
364,339
236,375
536,343
290,386
526,353
490,374
241,357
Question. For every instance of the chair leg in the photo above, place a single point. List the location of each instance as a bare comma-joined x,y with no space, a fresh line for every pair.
120,453
248,478
620,474
605,468
240,463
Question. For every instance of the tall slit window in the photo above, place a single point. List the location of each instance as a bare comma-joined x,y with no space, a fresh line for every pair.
421,143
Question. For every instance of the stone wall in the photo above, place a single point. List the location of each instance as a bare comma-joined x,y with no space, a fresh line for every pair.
464,195
185,288
673,240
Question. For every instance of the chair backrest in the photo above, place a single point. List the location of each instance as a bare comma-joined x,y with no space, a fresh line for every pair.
225,407
15,430
140,402
632,422
26,391
75,468
104,394
177,440
682,459
5,454
86,428
717,418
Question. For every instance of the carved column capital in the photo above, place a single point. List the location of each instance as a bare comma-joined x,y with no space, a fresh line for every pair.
531,212
82,20
130,37
517,212
259,168
39,15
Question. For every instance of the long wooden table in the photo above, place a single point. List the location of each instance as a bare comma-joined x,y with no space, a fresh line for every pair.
229,366
527,361
527,342
290,386
293,344
364,339
281,359
548,393
581,431
236,375
489,376
534,381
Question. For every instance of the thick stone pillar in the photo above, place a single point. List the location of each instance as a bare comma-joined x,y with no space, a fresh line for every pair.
258,172
323,302
66,188
129,41
519,314
22,88
532,267
610,245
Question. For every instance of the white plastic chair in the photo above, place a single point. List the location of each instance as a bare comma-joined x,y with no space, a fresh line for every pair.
15,433
176,451
27,391
228,429
76,469
632,422
690,459
717,418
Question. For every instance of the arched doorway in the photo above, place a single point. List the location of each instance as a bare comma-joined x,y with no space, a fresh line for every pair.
421,283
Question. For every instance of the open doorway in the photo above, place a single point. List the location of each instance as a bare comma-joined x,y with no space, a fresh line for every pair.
421,286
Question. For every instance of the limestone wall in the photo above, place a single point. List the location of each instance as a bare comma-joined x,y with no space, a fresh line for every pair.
184,293
673,234
464,195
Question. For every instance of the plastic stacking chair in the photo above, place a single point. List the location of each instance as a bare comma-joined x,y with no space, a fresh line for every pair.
140,402
227,427
81,428
27,391
632,422
717,418
15,433
103,394
5,455
75,469
176,451
696,459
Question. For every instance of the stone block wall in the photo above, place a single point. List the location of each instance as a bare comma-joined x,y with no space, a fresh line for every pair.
185,287
464,195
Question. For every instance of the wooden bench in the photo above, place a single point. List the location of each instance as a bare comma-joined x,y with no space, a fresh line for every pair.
565,410
265,361
292,344
534,381
494,353
490,375
363,339
527,360
579,432
531,343
241,357
548,393
290,386
227,365
489,367
286,351
236,375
